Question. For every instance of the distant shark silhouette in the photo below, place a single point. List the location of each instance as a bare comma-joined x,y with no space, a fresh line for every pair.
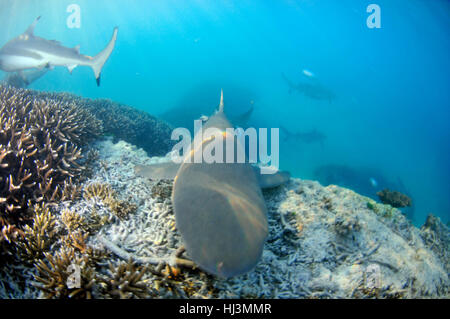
313,136
313,90
196,103
23,79
219,208
28,51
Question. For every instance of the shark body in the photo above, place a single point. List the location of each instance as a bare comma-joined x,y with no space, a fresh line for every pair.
28,51
22,79
219,208
313,90
308,137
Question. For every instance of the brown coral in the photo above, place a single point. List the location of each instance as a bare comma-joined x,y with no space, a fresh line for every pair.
162,190
123,122
98,190
40,152
108,196
73,221
39,236
394,198
57,275
125,281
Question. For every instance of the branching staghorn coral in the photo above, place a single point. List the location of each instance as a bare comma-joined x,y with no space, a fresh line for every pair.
38,237
76,240
73,221
40,153
124,281
108,196
123,122
90,224
57,275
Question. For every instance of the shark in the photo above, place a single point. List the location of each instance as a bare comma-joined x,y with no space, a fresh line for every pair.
23,79
28,51
219,207
307,137
313,90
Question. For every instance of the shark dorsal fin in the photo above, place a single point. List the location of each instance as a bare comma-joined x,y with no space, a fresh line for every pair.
30,30
77,48
221,101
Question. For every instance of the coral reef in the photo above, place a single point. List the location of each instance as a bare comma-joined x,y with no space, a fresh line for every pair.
124,281
123,122
323,242
40,153
73,221
55,272
346,222
38,237
133,126
394,198
120,208
436,236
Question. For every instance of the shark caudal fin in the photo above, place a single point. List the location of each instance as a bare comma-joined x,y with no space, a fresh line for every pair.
99,60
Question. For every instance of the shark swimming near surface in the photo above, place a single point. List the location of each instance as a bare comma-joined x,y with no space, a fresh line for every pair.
308,137
219,208
28,51
313,90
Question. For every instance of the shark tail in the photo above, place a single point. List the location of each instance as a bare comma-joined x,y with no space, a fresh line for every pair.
100,59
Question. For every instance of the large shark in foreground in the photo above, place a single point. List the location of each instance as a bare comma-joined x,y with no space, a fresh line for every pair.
219,208
28,51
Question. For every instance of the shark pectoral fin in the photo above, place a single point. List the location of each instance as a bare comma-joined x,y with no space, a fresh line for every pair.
71,67
167,170
271,180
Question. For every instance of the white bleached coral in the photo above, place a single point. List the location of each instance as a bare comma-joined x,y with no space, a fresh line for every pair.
325,242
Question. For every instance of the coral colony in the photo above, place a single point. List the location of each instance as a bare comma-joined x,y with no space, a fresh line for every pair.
77,221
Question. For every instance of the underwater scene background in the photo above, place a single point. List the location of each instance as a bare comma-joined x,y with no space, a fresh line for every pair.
385,125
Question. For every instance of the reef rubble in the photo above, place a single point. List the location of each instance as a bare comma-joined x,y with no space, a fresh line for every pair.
324,242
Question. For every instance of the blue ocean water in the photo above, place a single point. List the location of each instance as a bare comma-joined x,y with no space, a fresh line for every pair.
389,120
